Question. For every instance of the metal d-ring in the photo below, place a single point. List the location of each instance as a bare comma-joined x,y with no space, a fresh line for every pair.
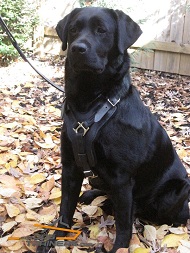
115,102
80,126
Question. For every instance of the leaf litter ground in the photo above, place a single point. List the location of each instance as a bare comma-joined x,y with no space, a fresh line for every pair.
30,169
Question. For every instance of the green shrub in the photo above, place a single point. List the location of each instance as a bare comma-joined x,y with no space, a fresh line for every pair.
21,18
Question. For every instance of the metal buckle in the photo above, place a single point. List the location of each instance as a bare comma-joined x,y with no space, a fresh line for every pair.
80,126
115,102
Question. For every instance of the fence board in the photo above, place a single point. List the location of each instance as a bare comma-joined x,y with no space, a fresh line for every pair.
184,68
169,48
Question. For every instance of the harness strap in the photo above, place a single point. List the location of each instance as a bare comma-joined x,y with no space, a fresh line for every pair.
83,134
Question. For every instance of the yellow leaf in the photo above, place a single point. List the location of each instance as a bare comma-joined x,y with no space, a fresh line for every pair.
15,103
42,134
28,85
55,193
94,231
12,210
13,164
173,240
37,178
57,201
142,250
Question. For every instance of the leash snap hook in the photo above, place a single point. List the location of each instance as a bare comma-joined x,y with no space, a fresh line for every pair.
80,126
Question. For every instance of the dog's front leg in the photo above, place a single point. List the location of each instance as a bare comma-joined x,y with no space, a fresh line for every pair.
122,198
71,185
72,179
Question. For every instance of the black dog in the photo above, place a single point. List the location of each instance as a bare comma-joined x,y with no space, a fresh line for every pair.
109,132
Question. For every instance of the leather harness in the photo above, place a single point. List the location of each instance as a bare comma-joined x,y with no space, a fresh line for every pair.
82,129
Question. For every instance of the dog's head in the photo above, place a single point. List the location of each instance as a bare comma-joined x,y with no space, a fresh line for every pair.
95,35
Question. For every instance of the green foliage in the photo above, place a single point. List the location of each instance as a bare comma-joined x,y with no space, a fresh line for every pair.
101,3
21,18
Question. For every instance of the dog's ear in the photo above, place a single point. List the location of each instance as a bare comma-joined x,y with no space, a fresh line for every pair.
128,31
62,28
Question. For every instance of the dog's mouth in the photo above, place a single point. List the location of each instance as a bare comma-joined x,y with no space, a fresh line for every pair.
88,68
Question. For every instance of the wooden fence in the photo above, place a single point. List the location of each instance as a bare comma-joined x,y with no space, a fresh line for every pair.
164,45
170,50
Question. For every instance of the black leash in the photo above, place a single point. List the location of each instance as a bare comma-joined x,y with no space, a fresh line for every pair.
16,46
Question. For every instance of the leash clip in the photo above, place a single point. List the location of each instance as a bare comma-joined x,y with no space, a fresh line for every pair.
80,126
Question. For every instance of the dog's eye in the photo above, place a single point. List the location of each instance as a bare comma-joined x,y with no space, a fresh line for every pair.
73,29
101,30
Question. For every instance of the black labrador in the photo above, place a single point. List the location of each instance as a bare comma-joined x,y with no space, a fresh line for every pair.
109,134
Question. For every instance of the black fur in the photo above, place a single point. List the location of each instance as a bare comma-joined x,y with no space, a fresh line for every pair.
137,164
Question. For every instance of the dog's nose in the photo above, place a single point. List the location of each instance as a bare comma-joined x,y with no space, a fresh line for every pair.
79,48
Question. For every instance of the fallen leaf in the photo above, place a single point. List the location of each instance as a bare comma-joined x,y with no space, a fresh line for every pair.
183,249
6,192
150,233
8,226
185,243
64,250
25,229
12,210
122,250
90,210
98,201
173,240
76,250
32,203
161,232
48,186
142,250
18,245
37,178
20,218
102,236
177,231
55,193
94,231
